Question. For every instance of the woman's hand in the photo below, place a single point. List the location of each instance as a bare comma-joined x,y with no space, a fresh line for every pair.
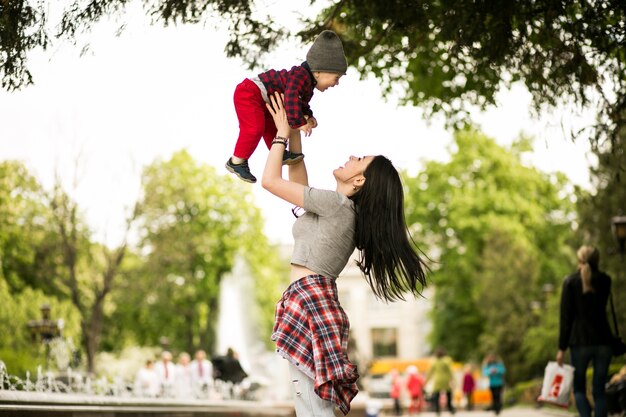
277,110
559,357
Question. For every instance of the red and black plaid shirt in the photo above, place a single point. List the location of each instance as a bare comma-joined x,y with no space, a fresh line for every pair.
297,84
311,331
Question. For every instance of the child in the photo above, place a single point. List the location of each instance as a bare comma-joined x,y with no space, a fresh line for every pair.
415,386
325,64
469,385
396,391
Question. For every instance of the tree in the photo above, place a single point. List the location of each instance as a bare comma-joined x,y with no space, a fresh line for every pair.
24,27
444,56
193,223
498,232
18,349
24,218
449,56
88,269
596,209
28,267
507,296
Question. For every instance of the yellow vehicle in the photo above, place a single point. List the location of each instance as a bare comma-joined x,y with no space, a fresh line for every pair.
378,380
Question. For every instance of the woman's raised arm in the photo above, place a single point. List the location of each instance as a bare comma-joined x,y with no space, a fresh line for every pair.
272,180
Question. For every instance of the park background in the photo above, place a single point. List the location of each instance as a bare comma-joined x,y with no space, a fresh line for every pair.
136,125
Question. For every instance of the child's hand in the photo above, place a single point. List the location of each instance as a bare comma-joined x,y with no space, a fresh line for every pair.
312,121
306,129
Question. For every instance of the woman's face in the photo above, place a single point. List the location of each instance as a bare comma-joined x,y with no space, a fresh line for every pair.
355,166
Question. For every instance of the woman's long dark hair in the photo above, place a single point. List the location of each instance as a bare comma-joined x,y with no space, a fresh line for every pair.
388,256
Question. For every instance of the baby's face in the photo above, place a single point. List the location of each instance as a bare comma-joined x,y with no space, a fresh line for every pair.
326,79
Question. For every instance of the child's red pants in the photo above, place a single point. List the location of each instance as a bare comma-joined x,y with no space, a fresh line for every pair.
255,121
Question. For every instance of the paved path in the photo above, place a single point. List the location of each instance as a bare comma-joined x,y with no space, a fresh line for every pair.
507,412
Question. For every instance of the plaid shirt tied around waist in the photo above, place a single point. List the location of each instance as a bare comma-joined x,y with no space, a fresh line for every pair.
311,331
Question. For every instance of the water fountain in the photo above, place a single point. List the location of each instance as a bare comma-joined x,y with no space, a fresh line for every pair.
47,395
72,393
237,329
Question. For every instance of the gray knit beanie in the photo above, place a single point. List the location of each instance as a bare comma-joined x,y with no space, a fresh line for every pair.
326,54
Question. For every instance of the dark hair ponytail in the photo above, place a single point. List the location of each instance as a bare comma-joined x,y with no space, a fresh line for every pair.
387,254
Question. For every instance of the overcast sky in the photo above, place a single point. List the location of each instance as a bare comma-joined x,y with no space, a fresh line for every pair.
153,91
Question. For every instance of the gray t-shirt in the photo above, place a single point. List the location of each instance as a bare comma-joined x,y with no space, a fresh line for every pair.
324,235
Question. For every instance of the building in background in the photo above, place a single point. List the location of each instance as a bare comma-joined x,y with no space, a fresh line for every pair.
380,330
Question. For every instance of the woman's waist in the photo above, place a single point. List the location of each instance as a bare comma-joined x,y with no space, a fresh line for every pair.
299,271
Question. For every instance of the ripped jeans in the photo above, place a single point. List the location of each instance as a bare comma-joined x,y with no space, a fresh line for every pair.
306,401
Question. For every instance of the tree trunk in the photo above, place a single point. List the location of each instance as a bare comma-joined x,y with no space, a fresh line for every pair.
92,316
210,330
94,333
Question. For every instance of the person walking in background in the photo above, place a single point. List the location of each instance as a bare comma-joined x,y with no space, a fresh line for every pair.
494,369
415,386
396,391
469,385
584,328
440,373
147,381
166,373
231,369
184,379
201,373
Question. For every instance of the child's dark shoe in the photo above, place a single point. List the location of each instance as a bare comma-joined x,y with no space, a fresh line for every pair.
241,170
290,158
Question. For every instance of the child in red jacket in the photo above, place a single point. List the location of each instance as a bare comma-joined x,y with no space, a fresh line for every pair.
396,391
415,385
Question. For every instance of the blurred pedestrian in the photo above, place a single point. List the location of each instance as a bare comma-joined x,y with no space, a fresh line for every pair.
183,378
415,386
395,391
469,385
146,381
494,369
228,369
440,373
201,373
584,328
616,393
166,373
231,369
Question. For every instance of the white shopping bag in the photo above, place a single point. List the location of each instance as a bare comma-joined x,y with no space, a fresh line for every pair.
557,384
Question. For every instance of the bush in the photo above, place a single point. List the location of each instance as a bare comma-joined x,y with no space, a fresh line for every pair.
523,393
20,362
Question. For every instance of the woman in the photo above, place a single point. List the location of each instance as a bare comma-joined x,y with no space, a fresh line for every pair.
584,328
365,211
440,373
494,370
